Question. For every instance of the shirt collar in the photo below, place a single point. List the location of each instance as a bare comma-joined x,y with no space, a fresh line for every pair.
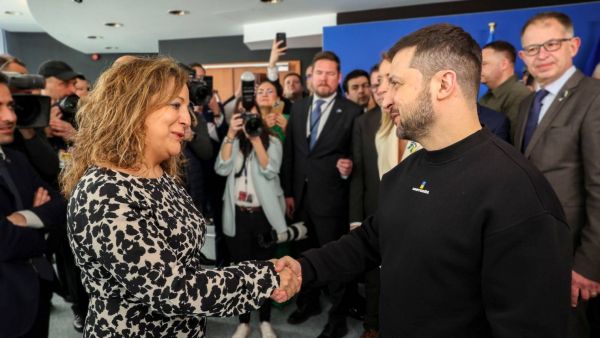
326,99
555,86
2,154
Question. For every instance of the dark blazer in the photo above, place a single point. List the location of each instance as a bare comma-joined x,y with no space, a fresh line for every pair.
495,121
311,176
565,147
19,281
364,183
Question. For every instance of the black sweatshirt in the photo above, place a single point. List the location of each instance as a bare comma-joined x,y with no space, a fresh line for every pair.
472,242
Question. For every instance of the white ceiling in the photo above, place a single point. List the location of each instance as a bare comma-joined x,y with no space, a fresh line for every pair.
147,21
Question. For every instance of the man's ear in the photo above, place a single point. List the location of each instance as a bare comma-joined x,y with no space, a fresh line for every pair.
445,84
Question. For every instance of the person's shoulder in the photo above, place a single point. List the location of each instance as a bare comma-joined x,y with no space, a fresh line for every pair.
15,156
348,105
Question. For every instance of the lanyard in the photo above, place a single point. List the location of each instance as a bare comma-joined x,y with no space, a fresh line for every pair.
310,109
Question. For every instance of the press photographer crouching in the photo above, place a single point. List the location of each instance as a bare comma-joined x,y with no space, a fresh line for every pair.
29,208
250,158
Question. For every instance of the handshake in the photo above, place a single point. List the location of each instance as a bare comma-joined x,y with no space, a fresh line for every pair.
290,278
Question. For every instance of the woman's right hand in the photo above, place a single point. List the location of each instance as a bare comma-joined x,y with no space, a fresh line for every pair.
270,120
235,125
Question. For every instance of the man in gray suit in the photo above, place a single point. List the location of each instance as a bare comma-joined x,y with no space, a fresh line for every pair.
558,129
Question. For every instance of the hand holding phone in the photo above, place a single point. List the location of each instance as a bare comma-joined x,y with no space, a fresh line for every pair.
281,37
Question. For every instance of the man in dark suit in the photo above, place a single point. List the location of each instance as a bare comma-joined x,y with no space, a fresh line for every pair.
495,121
558,129
316,168
27,207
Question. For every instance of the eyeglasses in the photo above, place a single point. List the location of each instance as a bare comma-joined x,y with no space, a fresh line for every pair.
265,92
549,46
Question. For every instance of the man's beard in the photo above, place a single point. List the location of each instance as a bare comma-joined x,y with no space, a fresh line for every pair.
324,91
416,118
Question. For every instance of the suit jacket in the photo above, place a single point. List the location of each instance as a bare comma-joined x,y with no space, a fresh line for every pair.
311,176
495,121
364,184
19,281
565,147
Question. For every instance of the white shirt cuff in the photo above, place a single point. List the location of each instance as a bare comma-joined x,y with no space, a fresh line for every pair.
32,220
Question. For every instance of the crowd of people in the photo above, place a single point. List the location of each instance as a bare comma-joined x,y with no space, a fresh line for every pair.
463,215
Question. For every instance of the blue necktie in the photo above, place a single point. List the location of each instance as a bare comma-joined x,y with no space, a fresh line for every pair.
315,117
534,116
10,183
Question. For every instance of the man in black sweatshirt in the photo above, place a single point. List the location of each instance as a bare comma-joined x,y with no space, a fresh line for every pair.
471,238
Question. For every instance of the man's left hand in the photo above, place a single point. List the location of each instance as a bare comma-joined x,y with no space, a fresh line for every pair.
344,166
580,285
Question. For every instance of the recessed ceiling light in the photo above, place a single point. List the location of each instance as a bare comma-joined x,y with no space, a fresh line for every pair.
93,37
110,47
13,13
114,24
179,12
271,1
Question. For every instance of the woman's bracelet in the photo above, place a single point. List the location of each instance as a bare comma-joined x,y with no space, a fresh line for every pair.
228,140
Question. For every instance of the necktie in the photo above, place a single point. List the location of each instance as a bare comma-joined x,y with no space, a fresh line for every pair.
315,117
10,183
534,116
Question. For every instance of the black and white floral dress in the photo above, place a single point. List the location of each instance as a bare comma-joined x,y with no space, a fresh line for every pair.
137,242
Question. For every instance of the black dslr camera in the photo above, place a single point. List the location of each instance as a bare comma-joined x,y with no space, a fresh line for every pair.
201,90
33,111
252,122
68,108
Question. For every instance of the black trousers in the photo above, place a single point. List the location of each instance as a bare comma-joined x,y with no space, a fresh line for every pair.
244,246
39,329
372,284
330,230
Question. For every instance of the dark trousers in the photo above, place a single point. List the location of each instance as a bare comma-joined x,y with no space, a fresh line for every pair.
244,246
594,317
330,230
372,285
42,318
71,277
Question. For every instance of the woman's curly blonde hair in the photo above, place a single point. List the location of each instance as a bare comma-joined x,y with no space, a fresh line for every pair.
111,118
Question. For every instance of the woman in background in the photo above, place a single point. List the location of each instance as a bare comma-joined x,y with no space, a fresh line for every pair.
135,232
253,203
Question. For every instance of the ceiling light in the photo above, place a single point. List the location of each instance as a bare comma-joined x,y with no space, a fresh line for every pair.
13,13
179,12
114,24
110,47
271,1
93,37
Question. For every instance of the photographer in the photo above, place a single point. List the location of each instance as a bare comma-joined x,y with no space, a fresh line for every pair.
274,110
28,208
31,141
250,157
60,84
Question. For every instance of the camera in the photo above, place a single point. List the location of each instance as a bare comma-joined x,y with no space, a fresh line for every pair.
33,111
252,124
201,90
68,108
294,232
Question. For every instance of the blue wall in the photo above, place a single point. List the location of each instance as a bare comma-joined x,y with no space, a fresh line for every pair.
360,45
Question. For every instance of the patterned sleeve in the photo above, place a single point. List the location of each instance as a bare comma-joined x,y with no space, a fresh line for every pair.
146,266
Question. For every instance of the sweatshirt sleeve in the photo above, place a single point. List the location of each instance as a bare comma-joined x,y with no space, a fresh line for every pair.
345,258
526,278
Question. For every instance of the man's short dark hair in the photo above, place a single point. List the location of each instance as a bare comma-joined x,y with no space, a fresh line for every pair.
374,68
6,59
444,46
326,55
353,75
562,18
505,48
196,64
3,79
293,74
